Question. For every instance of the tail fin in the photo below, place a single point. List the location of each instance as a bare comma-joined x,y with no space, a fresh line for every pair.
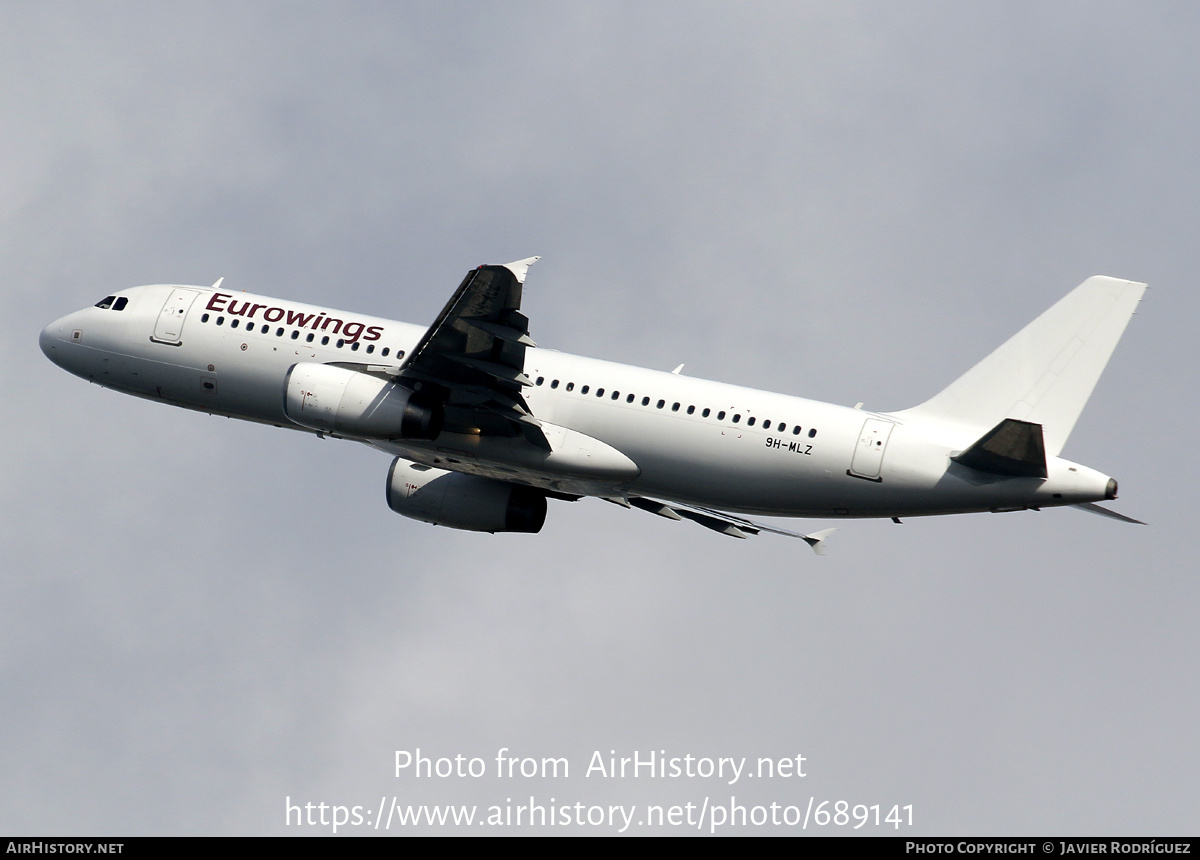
1045,373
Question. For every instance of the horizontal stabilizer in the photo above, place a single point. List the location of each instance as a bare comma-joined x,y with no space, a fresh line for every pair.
1093,508
1013,448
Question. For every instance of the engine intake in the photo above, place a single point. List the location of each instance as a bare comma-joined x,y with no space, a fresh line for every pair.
463,501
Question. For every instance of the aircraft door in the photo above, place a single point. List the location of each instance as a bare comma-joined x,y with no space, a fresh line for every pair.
169,328
867,461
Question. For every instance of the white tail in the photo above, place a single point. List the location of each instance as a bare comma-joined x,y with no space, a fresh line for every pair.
1045,373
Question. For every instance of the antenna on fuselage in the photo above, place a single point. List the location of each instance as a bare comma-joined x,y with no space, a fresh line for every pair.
218,283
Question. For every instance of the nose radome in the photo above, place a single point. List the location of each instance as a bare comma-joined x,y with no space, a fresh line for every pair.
48,340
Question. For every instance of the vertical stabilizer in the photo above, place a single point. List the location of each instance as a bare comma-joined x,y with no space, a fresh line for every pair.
1045,373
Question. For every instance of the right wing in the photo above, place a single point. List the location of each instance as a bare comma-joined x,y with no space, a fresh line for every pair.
472,359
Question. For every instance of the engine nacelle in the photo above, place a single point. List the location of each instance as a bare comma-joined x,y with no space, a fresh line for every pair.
463,501
336,400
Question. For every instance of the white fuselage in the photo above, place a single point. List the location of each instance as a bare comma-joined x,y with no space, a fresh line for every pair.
693,441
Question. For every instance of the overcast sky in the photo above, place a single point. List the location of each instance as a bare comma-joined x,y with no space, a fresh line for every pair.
201,618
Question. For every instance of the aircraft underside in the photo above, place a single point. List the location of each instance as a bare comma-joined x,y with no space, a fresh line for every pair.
486,429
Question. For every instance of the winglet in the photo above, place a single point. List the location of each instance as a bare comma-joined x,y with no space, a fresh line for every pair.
520,267
817,540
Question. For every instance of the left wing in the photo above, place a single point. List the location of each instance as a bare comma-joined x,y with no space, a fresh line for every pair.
718,521
472,359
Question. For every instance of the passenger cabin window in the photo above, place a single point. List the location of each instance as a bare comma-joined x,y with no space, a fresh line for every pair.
554,383
812,433
583,390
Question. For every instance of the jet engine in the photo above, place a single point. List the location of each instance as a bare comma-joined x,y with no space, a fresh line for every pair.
336,400
463,501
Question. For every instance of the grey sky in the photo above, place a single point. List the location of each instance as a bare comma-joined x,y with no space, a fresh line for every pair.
852,202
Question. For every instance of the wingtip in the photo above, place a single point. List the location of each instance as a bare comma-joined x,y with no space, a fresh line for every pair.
521,267
817,540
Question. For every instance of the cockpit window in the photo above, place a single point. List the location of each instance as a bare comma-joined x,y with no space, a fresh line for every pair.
120,303
106,302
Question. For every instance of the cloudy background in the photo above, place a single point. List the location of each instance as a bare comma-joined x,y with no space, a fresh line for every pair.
853,202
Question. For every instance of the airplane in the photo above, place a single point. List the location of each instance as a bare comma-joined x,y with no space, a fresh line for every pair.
484,427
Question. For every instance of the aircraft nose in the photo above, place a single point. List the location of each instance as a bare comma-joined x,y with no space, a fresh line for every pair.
49,340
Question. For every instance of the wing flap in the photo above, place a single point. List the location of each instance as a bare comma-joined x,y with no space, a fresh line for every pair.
719,521
472,359
504,332
496,371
